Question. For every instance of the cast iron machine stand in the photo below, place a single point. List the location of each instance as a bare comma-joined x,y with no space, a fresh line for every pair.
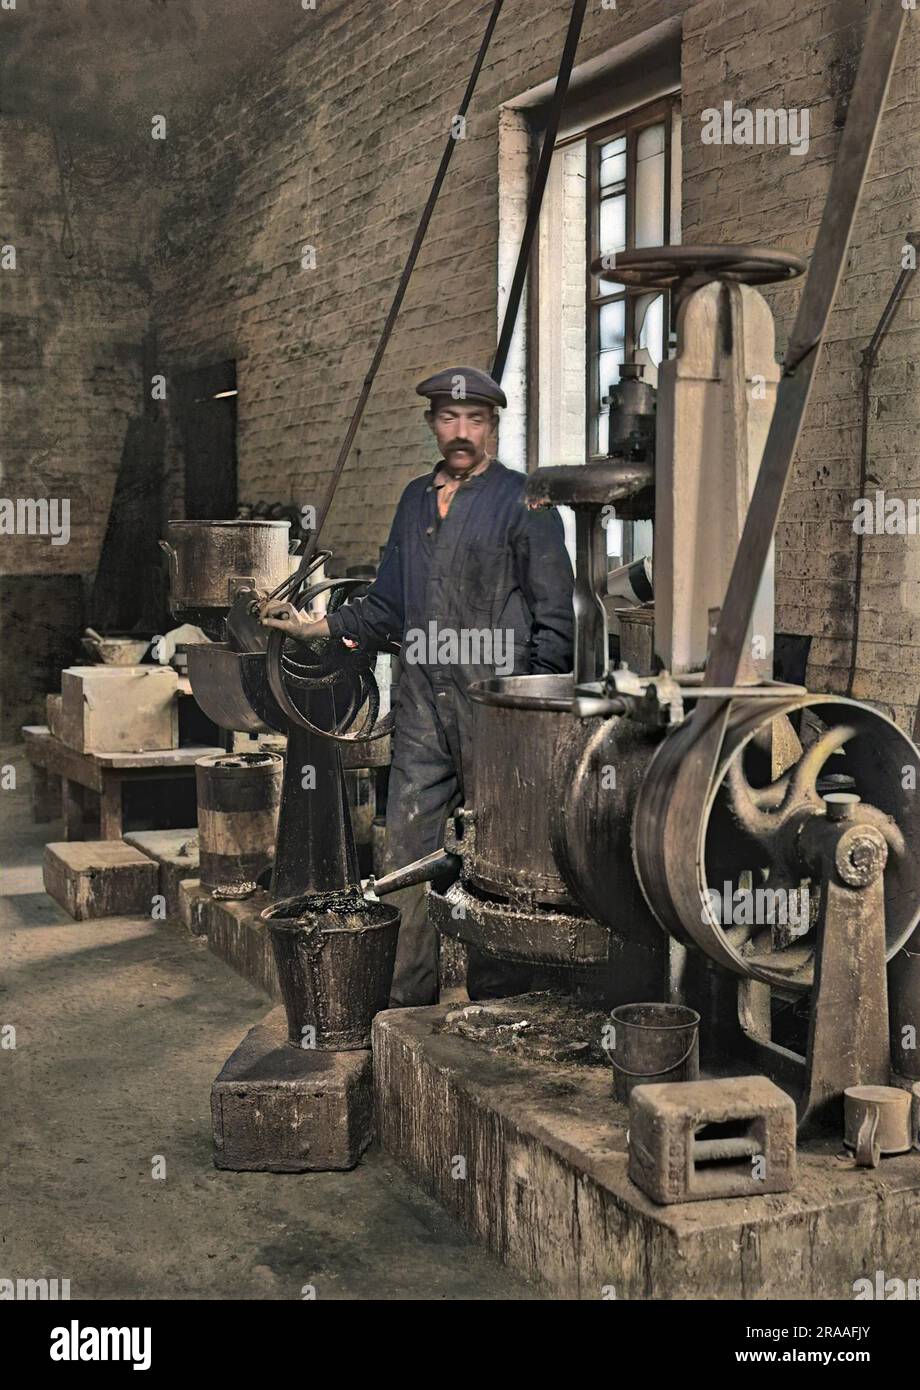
329,703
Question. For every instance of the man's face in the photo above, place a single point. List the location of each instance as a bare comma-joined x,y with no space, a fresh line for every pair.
462,429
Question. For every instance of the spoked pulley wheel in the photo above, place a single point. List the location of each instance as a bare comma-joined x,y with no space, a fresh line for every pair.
688,267
730,876
298,671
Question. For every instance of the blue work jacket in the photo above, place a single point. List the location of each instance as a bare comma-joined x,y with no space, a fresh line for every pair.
489,564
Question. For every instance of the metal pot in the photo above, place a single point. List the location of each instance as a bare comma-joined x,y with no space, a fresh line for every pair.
209,560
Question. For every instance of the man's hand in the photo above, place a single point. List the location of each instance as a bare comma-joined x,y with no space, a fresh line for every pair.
293,622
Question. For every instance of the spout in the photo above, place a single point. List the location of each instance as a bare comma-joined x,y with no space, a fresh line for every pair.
421,871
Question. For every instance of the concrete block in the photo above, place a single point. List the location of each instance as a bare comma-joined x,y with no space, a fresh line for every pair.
99,878
282,1109
546,1183
192,899
693,1141
176,853
238,935
119,709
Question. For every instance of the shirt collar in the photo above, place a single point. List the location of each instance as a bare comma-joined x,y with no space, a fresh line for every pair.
439,477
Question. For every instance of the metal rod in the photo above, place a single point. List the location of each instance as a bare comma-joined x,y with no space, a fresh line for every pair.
870,357
500,359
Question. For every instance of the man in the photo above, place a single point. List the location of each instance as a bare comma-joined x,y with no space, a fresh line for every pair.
471,584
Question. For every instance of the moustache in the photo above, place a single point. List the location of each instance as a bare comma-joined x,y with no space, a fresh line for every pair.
460,444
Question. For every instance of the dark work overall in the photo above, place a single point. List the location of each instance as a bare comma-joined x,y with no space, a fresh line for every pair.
490,564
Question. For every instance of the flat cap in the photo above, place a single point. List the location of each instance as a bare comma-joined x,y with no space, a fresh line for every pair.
463,384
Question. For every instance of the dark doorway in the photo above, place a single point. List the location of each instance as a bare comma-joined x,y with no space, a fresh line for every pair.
204,406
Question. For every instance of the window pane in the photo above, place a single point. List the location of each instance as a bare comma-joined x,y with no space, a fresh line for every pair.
650,325
613,162
608,372
612,325
602,432
650,186
613,224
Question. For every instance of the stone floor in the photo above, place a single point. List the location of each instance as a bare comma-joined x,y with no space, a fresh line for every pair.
121,1025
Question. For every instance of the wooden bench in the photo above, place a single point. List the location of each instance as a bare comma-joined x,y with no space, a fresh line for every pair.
105,773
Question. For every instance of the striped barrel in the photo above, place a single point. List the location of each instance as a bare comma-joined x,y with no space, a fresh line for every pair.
238,799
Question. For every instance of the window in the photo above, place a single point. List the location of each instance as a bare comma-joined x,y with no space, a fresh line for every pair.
628,204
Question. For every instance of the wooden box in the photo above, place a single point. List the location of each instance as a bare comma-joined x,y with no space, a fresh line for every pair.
100,878
119,709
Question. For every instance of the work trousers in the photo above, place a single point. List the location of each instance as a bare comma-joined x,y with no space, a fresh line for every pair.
431,762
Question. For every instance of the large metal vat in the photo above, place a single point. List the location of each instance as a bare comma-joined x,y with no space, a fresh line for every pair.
517,723
208,559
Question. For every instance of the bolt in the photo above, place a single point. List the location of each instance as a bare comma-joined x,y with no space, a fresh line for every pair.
840,806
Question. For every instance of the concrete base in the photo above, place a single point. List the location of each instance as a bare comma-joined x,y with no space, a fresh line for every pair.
192,899
283,1109
531,1157
99,878
238,935
166,848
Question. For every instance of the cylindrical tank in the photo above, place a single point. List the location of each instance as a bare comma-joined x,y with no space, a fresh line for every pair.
517,723
205,556
239,796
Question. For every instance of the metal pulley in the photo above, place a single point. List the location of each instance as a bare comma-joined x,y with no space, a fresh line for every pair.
345,671
753,833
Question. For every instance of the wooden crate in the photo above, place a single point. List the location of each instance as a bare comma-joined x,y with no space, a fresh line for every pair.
119,709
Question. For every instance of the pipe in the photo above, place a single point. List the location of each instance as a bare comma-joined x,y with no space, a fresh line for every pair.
869,359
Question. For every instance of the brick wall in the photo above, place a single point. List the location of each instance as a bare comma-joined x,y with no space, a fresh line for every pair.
795,53
74,313
332,144
335,146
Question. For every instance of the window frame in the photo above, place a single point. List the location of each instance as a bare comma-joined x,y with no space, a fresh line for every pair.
628,124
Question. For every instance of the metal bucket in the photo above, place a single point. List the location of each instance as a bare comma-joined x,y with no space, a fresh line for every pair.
652,1044
208,559
335,955
239,796
517,723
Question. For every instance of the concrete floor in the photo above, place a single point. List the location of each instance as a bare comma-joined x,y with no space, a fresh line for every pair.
121,1025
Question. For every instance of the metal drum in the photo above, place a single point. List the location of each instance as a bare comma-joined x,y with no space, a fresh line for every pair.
209,559
517,723
239,795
